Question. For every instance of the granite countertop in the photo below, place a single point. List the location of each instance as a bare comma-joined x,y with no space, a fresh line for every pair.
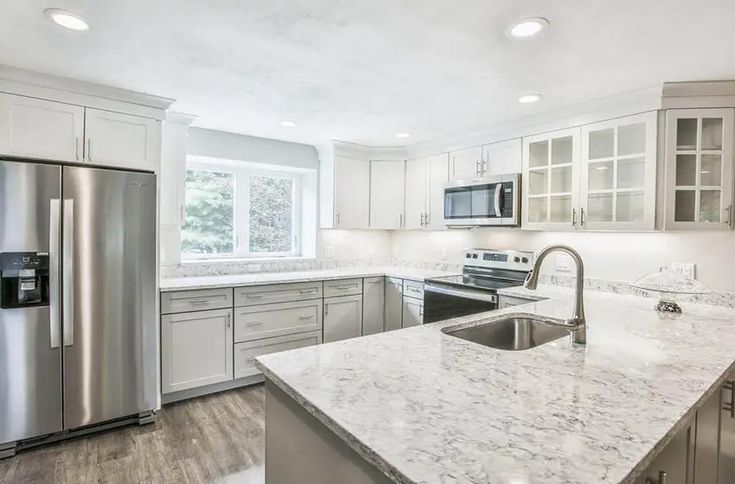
425,407
255,279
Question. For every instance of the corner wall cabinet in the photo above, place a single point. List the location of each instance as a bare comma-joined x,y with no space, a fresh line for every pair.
601,176
49,130
699,169
387,183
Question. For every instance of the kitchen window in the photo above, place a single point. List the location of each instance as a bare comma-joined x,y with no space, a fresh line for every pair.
242,210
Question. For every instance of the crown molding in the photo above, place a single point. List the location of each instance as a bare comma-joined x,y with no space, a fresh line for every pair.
362,152
698,94
71,91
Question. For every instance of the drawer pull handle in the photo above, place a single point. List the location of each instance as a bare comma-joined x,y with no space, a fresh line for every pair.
306,317
198,301
255,296
730,406
254,323
346,288
251,359
308,291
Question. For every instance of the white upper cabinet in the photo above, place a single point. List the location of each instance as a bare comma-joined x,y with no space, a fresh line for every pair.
416,193
386,194
503,158
699,169
438,177
122,140
551,180
351,193
466,164
618,174
36,128
425,181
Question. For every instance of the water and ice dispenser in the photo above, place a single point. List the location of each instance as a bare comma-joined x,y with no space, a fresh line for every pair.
24,279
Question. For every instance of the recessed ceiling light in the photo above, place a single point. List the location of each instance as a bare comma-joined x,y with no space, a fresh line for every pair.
66,19
288,124
528,27
531,97
403,135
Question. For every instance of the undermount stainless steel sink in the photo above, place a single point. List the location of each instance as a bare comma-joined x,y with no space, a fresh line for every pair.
512,334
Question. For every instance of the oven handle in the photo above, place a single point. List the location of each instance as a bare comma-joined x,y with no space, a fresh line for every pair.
475,296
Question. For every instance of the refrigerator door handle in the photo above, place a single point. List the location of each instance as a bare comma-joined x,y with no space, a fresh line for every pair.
53,255
68,272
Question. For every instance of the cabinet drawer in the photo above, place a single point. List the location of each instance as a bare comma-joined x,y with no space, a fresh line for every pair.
185,301
245,353
342,287
269,320
413,289
277,293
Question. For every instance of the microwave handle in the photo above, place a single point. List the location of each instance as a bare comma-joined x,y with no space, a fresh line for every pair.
498,191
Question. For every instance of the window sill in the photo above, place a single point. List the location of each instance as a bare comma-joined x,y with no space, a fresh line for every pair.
246,260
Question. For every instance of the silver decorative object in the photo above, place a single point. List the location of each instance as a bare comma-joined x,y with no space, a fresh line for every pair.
669,283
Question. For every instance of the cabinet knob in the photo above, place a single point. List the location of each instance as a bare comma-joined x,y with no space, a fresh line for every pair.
574,217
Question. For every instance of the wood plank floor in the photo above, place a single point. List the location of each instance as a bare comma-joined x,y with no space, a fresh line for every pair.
217,438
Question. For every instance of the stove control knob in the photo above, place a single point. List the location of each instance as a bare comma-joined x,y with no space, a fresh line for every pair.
474,256
525,260
517,260
469,256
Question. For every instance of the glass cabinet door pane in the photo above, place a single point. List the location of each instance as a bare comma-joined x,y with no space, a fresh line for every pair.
561,208
709,206
711,133
538,154
602,144
684,205
686,170
631,173
561,179
537,184
601,175
600,207
537,209
632,139
630,207
561,150
711,173
686,134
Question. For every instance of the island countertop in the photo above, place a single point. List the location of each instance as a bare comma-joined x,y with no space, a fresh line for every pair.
426,407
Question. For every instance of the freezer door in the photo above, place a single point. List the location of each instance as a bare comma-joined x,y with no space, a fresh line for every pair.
108,272
30,354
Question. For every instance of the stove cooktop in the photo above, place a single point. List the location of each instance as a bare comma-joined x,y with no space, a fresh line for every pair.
475,282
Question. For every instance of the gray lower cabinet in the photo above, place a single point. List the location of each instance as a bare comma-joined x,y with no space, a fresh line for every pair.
342,317
373,303
703,452
393,303
196,349
279,319
413,312
245,353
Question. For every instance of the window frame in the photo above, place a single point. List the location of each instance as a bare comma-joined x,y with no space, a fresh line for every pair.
242,172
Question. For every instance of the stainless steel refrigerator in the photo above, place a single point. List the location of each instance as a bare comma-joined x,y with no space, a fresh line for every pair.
77,300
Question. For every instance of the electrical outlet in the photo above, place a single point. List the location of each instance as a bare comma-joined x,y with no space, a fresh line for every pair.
371,250
564,263
443,254
686,268
329,251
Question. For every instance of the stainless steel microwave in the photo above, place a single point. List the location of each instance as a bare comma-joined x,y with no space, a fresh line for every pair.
489,201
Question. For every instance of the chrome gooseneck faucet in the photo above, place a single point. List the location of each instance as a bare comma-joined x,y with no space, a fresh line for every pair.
577,324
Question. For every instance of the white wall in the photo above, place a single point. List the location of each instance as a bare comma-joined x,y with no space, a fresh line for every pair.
353,244
614,256
230,146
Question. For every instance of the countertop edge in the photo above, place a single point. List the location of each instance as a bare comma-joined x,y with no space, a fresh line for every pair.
353,442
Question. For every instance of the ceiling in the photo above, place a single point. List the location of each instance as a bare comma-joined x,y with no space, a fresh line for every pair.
363,70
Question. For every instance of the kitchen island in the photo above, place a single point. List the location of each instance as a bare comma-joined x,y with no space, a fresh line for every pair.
421,406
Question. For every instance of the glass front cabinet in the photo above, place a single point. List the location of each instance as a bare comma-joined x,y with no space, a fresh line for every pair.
699,172
601,176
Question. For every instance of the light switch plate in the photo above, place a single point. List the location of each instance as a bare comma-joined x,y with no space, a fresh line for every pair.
328,251
686,268
371,250
564,263
444,254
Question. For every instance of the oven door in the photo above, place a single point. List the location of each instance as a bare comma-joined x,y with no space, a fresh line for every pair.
444,302
477,204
